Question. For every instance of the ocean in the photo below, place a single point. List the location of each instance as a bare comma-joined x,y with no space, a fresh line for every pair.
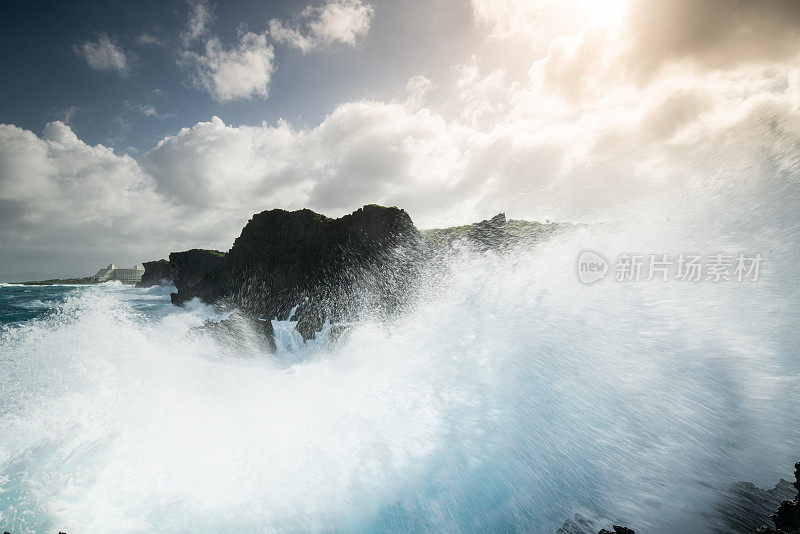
508,396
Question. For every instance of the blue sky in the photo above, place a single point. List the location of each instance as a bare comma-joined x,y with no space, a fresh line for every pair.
132,129
104,107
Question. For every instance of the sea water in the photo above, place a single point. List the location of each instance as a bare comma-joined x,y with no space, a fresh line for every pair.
505,396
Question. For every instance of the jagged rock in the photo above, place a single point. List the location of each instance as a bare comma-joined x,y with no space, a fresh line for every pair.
493,233
787,516
192,271
490,233
577,525
312,269
745,506
617,530
155,272
284,260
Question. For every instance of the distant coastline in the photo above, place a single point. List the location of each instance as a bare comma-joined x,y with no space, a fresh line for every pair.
88,280
131,275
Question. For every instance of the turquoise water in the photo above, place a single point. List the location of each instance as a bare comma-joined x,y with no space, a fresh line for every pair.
23,303
19,303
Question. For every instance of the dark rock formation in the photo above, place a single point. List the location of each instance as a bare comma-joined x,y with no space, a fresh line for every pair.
617,530
577,525
314,270
490,233
323,268
787,516
581,525
192,273
741,511
745,506
155,272
494,233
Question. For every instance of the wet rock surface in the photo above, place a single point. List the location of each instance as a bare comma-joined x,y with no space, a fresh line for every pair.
192,272
617,530
577,524
745,506
155,272
786,517
744,509
316,270
303,266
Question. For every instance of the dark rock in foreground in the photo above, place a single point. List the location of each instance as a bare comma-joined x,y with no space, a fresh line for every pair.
617,530
787,516
577,525
155,272
192,273
745,506
581,525
742,511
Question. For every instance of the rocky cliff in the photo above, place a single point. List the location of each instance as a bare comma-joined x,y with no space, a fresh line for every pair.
192,273
787,516
743,509
321,268
155,272
312,269
497,232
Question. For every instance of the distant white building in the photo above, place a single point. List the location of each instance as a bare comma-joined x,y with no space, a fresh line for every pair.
112,272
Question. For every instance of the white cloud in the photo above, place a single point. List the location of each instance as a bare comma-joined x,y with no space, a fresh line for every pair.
148,110
417,90
581,138
146,39
506,18
539,158
67,114
581,161
67,207
542,21
200,18
64,191
345,22
211,164
239,72
363,152
480,96
105,55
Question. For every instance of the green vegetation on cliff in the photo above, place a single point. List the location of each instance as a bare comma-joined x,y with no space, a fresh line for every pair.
497,228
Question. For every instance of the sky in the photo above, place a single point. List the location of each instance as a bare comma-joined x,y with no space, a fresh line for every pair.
132,129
